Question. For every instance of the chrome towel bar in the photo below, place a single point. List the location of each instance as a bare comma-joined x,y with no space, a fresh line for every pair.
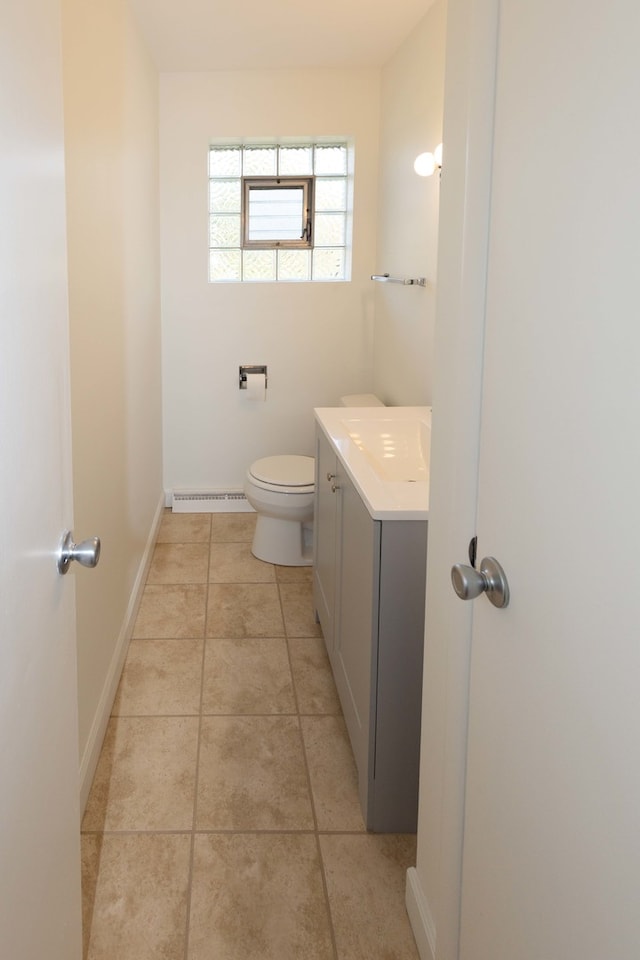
385,278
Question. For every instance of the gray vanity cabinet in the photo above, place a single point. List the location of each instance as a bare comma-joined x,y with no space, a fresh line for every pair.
369,591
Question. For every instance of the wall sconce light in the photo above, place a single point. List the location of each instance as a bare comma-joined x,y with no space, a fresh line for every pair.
426,164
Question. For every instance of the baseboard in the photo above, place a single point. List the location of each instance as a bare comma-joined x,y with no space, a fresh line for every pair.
420,917
91,755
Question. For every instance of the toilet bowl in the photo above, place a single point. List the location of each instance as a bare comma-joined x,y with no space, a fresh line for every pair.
280,489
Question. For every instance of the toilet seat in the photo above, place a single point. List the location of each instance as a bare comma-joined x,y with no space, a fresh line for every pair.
285,474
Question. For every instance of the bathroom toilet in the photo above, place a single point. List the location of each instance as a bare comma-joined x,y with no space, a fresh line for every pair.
280,489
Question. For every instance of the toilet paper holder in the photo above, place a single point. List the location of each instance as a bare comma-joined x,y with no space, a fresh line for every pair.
246,368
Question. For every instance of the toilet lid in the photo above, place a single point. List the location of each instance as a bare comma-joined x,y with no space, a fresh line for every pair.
285,471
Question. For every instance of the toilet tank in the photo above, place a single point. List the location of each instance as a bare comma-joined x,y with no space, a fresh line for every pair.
361,400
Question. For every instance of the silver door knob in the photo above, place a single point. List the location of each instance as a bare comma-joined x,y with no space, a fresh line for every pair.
469,583
86,553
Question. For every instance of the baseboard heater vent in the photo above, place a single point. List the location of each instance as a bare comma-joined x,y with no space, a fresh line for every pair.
210,501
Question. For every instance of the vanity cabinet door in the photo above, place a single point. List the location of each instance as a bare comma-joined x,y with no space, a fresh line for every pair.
354,658
325,573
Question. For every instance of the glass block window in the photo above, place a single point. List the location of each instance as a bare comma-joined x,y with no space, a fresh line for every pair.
279,212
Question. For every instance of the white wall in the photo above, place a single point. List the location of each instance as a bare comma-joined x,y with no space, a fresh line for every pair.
411,123
111,130
316,338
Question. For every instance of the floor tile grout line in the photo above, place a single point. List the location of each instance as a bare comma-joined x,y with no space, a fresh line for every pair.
296,700
208,713
197,766
247,831
316,831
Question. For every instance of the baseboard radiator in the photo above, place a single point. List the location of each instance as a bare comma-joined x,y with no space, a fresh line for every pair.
210,501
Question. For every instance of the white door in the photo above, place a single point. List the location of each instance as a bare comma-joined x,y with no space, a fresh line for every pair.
39,806
551,861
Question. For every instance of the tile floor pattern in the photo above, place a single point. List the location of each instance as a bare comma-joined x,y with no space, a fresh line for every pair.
223,822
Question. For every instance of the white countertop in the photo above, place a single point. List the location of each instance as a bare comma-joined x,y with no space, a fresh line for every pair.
385,452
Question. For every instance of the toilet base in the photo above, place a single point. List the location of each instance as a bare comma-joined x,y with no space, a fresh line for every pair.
285,542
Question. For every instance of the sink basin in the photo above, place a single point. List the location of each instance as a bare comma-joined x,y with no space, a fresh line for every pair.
385,453
398,450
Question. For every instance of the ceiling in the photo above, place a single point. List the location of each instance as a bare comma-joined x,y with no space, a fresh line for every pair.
192,35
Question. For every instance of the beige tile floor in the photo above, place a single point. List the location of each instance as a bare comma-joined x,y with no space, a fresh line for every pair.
223,822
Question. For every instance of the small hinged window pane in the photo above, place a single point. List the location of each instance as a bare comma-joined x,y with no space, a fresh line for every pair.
277,212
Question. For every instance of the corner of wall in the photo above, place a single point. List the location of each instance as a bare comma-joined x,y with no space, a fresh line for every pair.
411,122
